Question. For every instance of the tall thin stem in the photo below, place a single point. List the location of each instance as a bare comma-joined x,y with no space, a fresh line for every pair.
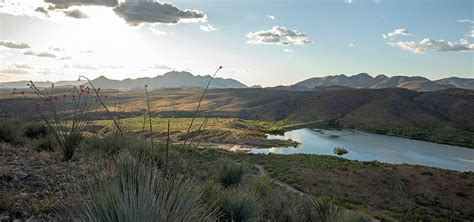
103,104
167,144
199,106
149,116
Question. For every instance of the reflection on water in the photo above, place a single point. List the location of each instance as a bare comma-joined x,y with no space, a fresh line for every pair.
366,147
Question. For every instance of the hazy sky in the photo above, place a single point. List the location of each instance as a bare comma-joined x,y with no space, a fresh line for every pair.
264,42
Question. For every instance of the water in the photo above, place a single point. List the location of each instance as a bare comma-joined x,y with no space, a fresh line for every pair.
367,147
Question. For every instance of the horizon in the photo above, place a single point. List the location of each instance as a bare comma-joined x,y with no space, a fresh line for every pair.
218,77
257,44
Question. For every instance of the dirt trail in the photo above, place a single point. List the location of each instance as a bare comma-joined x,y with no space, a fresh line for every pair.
262,172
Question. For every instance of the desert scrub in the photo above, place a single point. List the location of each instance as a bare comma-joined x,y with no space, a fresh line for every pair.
135,189
46,143
36,130
231,174
11,130
239,204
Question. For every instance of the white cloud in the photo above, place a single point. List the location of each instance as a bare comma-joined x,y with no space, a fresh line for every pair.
40,54
139,12
348,1
288,50
14,45
434,45
397,32
351,44
271,17
207,28
157,32
471,33
470,21
278,35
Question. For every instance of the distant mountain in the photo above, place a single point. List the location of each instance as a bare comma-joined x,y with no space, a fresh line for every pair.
168,80
364,80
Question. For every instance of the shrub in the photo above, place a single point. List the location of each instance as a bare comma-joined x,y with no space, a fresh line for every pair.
210,192
340,151
230,175
324,209
45,144
239,204
10,130
284,207
36,130
113,142
262,187
134,189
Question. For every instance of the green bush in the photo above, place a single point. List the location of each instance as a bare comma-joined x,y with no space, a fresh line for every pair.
45,144
134,189
210,192
36,130
324,209
239,204
285,207
340,151
262,187
11,130
231,175
70,141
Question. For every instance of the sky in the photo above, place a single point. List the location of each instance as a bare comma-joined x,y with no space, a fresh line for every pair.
258,42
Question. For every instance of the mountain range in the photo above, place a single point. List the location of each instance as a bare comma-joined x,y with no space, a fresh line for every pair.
175,79
364,80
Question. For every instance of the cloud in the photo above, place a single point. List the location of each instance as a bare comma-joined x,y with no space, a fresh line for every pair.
65,58
271,17
278,35
348,1
471,33
397,32
157,32
57,49
14,45
377,1
63,4
288,50
87,51
40,54
136,13
351,44
470,21
13,71
160,66
76,13
434,45
207,28
22,66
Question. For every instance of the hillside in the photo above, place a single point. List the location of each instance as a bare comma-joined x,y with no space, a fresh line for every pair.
445,116
364,80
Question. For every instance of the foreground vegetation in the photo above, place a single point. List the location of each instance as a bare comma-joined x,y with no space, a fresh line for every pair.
215,184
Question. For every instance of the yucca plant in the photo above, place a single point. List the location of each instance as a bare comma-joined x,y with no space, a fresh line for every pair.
239,204
230,174
135,189
324,209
